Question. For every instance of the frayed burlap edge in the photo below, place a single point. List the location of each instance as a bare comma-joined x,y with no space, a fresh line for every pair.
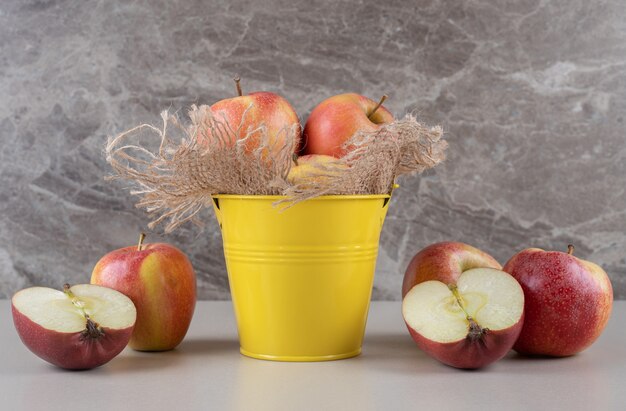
176,181
374,161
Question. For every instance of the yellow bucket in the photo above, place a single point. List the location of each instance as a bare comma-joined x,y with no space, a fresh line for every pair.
301,278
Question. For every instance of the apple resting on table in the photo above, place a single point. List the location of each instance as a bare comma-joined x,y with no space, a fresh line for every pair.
252,112
81,327
469,324
459,307
336,119
568,301
161,282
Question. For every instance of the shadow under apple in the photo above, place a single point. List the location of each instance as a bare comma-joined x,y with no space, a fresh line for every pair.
141,361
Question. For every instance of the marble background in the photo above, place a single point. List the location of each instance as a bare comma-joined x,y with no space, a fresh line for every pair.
531,93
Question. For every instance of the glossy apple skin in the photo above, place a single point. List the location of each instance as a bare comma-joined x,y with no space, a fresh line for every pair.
445,262
70,350
161,282
568,302
469,354
260,108
336,119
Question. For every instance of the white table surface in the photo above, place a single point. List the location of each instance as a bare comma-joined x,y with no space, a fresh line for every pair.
207,372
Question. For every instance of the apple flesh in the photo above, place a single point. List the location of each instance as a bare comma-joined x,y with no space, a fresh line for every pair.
314,168
82,327
445,262
161,282
336,119
568,301
255,111
469,324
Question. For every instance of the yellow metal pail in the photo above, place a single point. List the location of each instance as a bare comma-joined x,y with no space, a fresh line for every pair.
301,278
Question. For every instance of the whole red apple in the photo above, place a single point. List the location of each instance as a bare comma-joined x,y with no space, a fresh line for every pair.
336,119
568,301
468,324
161,282
445,262
81,327
255,111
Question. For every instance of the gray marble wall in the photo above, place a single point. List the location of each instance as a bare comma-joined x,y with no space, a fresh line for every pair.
531,93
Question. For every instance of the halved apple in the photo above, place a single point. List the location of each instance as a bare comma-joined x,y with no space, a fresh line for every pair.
469,324
81,327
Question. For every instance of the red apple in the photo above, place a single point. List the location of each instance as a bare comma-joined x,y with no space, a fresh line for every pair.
336,119
445,262
469,324
568,301
314,168
255,111
161,282
82,327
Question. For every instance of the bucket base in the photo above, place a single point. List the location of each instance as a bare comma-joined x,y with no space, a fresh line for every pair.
305,358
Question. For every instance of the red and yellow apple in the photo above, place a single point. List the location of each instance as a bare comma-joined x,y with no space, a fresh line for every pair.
445,262
263,114
314,168
470,323
336,119
161,282
568,301
81,327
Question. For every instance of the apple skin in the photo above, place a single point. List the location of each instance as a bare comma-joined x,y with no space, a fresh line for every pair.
260,108
445,262
309,165
568,302
467,354
161,282
70,350
336,119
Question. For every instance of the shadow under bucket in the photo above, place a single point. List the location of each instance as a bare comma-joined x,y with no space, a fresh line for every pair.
301,278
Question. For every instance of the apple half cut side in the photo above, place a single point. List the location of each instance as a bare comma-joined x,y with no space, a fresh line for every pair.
469,324
81,327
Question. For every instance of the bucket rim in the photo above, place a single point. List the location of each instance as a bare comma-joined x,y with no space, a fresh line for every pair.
320,198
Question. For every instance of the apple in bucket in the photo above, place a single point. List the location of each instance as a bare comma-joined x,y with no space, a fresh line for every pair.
314,168
161,282
81,327
336,119
259,113
568,301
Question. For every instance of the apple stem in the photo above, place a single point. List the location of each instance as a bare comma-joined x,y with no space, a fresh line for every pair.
77,303
142,236
459,300
238,85
380,103
92,329
295,158
570,249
